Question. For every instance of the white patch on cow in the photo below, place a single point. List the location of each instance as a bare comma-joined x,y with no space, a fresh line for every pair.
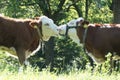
79,20
48,27
1,15
97,60
29,53
26,62
9,51
118,25
72,22
12,52
73,35
91,25
106,26
62,29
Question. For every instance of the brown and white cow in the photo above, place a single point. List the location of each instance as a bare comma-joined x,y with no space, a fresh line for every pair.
98,39
22,37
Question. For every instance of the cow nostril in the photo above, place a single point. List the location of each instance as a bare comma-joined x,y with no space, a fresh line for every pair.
58,29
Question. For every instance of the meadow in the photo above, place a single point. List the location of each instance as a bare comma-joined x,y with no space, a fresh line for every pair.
45,75
34,74
9,71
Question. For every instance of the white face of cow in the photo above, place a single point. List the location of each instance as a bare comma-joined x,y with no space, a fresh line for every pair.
72,31
48,27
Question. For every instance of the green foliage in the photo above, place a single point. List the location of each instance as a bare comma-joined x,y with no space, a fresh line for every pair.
17,9
68,55
100,15
9,63
98,11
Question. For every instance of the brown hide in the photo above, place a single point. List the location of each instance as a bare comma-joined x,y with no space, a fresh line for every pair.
20,34
100,40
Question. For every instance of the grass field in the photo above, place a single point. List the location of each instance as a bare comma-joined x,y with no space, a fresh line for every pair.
9,71
34,74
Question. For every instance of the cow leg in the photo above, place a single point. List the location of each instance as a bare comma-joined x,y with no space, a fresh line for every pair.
22,67
21,56
26,62
91,63
99,57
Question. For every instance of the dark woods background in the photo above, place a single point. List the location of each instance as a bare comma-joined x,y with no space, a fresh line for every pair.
61,54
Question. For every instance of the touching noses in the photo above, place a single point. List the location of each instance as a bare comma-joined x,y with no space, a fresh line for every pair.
59,29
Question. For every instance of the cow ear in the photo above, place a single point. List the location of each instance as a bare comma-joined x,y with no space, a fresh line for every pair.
86,22
79,22
33,24
36,18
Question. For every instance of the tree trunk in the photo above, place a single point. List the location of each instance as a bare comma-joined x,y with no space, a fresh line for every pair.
49,53
116,11
86,9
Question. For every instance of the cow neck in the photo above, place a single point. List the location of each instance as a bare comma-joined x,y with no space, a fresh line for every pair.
84,36
82,33
40,34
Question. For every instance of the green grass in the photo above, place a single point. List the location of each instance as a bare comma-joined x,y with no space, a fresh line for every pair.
9,71
34,74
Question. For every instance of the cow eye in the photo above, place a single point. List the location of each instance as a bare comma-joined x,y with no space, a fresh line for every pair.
46,24
71,23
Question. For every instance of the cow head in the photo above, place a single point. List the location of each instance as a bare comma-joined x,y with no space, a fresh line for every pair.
81,22
70,28
49,28
71,25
